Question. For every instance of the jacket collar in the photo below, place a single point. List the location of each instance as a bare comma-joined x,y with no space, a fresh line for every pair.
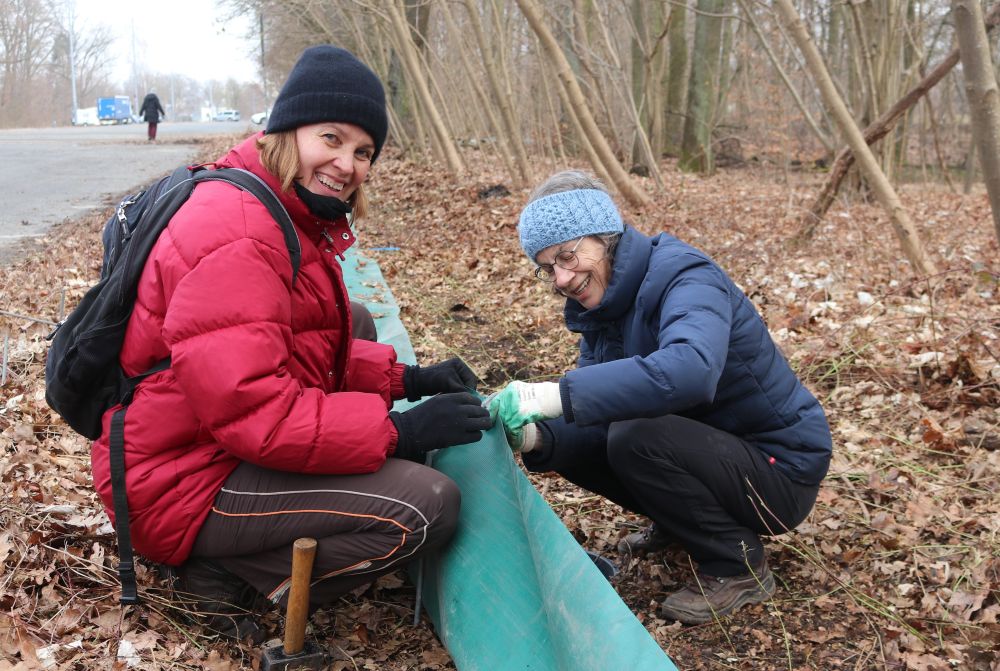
336,233
630,265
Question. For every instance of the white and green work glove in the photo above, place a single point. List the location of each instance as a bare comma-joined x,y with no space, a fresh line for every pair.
519,405
524,439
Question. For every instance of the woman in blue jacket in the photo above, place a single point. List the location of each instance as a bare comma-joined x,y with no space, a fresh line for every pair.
681,409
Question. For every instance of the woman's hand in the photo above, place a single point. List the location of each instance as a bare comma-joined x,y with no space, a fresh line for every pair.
439,422
522,403
524,439
441,378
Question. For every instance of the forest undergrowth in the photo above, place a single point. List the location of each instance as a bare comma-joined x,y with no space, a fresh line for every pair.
897,567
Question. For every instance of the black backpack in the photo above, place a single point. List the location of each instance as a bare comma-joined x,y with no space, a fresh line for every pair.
83,378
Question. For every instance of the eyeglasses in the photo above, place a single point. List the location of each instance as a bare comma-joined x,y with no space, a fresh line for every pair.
566,259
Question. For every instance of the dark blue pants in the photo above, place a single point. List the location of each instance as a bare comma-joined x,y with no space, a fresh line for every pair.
713,492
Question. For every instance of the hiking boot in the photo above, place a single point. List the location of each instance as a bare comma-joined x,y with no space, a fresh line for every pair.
715,596
649,539
223,602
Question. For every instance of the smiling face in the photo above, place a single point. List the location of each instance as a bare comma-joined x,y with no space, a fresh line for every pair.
334,158
586,282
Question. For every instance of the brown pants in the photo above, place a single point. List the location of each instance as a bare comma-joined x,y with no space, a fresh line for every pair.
365,525
362,323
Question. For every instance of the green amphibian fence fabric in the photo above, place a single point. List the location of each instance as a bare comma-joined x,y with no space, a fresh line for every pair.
513,590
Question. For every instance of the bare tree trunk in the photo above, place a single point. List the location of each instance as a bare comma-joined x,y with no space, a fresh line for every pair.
938,154
724,78
649,25
383,63
822,136
590,69
981,91
867,69
654,80
418,15
970,167
411,61
676,79
886,195
835,26
638,70
503,102
696,146
503,143
560,149
424,55
619,177
585,145
879,129
643,140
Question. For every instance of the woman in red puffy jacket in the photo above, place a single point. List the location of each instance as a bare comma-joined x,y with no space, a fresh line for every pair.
273,421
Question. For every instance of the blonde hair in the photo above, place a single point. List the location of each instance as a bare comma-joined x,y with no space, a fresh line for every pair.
280,156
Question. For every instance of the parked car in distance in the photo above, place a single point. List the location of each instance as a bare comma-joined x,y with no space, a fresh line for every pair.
227,115
86,116
260,117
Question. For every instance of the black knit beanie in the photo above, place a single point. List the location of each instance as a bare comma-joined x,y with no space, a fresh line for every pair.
331,84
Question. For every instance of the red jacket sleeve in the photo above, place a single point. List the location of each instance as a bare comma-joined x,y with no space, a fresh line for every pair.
373,368
228,326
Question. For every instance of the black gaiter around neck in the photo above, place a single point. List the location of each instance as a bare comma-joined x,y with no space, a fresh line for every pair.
324,207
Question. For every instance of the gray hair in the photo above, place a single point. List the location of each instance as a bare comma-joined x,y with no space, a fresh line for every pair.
570,180
567,180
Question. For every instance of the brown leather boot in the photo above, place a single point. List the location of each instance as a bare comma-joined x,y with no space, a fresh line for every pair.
714,596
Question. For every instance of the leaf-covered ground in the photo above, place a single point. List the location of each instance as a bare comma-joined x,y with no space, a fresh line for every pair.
898,566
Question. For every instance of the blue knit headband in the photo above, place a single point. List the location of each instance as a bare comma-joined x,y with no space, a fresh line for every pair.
552,220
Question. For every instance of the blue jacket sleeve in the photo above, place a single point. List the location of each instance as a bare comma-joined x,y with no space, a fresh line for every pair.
693,321
565,444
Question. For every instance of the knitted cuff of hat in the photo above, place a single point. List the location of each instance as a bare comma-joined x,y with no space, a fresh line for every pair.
554,219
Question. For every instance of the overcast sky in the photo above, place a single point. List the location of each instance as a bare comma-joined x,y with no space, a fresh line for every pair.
187,37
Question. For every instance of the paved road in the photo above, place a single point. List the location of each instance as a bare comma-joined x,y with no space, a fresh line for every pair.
48,175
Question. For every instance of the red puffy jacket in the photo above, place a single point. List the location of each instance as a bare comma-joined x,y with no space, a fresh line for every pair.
261,370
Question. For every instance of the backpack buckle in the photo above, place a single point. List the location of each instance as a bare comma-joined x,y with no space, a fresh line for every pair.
130,592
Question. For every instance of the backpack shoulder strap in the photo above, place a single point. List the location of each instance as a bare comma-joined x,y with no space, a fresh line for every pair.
176,177
126,559
116,458
254,185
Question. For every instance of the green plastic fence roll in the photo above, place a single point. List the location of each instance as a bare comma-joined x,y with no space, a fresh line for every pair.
513,590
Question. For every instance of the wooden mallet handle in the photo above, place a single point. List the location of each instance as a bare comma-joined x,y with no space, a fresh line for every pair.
303,554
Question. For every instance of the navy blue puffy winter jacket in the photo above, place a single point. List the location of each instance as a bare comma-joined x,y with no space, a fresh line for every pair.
674,335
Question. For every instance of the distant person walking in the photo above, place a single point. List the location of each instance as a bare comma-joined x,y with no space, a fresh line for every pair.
151,111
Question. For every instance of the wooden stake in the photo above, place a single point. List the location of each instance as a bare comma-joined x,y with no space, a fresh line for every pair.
303,554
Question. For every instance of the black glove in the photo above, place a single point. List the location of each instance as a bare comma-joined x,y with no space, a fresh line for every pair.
441,421
447,376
